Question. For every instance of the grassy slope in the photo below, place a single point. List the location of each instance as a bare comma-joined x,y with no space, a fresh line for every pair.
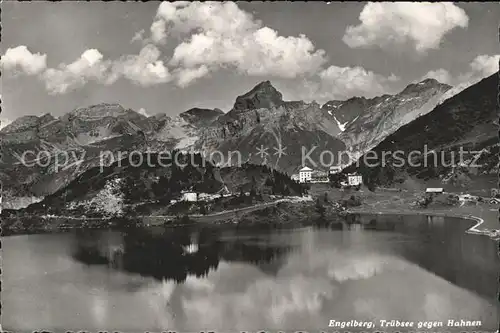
465,120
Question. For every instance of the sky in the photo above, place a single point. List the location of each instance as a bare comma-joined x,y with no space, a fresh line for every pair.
170,57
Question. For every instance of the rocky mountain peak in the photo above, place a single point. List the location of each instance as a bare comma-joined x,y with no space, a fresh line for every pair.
100,111
46,118
263,95
425,84
200,112
200,116
332,104
21,124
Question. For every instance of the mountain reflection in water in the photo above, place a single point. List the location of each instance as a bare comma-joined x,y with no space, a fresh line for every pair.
171,254
230,279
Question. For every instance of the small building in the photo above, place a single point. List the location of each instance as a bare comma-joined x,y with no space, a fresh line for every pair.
432,192
354,179
435,190
319,177
305,175
334,169
189,196
494,201
295,177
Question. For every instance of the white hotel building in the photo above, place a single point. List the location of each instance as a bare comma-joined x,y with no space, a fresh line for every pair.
305,175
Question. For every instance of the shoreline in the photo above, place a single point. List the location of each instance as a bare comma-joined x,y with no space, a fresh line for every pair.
148,220
475,214
473,230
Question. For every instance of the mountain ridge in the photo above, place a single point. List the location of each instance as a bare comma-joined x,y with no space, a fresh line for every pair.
259,123
466,121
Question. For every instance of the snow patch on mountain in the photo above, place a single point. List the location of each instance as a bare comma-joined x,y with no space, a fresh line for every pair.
186,142
341,126
4,123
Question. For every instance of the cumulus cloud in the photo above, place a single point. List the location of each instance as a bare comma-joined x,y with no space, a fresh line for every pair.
21,59
158,28
442,75
221,35
143,112
89,66
479,68
158,33
344,82
348,80
187,75
422,24
144,69
4,122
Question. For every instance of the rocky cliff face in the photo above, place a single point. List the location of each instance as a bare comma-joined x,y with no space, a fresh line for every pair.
261,122
201,117
261,127
43,154
383,115
346,112
81,136
127,189
262,96
467,121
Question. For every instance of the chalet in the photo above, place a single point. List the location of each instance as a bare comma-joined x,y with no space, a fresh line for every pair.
305,175
189,196
431,192
354,179
319,177
334,169
435,190
494,201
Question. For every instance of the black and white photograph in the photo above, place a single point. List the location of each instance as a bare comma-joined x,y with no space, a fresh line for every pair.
250,167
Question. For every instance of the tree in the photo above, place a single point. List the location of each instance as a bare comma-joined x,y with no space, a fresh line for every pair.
269,182
426,201
185,219
257,117
320,209
370,184
336,179
110,200
286,191
161,187
203,209
253,192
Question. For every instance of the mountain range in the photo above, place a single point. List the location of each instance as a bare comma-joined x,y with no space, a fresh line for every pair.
261,128
122,187
467,122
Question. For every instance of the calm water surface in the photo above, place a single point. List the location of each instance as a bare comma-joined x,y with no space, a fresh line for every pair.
368,268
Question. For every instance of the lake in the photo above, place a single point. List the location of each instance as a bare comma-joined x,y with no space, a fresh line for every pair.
186,279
